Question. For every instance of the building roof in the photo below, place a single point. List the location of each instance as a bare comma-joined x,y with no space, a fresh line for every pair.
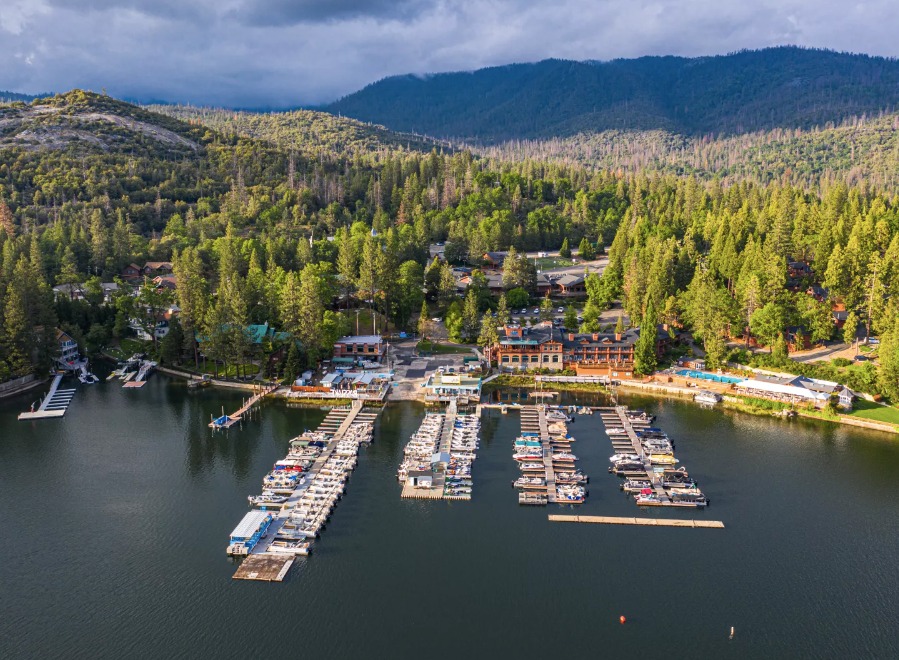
359,339
441,457
420,473
250,524
570,280
157,265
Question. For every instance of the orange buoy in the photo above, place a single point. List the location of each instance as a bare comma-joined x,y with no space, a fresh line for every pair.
622,619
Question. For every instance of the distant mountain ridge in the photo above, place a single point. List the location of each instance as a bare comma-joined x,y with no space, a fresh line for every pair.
724,95
12,97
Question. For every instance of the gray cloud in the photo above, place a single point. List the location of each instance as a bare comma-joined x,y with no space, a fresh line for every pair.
279,54
292,12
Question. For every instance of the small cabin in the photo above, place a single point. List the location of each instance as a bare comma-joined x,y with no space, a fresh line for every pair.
420,478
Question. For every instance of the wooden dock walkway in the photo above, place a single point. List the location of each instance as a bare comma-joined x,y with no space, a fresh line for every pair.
263,565
265,568
238,415
651,522
619,418
54,404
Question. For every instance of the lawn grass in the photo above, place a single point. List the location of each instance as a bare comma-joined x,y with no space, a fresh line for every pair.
546,263
128,347
876,412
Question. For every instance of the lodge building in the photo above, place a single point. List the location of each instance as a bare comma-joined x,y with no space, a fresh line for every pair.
546,347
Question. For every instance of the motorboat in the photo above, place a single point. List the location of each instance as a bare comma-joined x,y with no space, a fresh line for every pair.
267,498
635,485
662,459
707,397
571,494
616,430
618,458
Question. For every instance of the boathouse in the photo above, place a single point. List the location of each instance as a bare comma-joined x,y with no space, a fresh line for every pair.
249,530
420,478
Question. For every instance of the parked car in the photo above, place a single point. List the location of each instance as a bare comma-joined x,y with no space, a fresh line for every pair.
436,319
536,310
524,311
861,358
561,310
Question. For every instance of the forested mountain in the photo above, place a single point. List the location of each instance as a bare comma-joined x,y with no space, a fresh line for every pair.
748,91
303,130
12,97
857,150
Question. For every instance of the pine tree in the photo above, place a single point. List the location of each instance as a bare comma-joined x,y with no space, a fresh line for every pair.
565,251
191,294
645,356
502,310
488,337
293,365
424,321
585,250
470,321
570,318
546,309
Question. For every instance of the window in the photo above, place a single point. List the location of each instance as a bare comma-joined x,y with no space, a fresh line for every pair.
506,359
555,358
535,358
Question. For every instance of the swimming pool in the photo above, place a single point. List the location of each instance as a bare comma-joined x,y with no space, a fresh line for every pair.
704,375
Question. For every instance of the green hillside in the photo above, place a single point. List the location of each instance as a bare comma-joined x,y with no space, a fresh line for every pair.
748,91
302,130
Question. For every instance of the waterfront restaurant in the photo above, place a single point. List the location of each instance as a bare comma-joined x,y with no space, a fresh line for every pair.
796,389
442,387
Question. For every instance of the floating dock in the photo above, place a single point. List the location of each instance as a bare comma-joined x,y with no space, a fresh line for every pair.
265,568
54,404
651,522
648,467
448,468
268,562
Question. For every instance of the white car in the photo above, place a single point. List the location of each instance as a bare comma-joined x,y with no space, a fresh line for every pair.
561,310
524,311
536,310
436,319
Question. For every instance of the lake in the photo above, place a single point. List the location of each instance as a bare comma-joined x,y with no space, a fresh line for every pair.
116,519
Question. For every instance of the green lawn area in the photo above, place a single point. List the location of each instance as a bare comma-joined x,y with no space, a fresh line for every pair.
545,263
869,410
435,348
128,347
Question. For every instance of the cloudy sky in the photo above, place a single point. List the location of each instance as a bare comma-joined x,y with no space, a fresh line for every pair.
282,53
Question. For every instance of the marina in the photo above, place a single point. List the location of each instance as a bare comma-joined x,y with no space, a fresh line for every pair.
437,459
543,453
54,404
167,569
644,457
299,495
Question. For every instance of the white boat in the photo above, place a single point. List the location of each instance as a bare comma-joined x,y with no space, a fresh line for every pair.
618,458
705,396
617,430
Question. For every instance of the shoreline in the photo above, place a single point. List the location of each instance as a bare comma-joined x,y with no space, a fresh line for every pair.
731,401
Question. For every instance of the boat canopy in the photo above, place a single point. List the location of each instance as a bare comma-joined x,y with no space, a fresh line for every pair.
250,524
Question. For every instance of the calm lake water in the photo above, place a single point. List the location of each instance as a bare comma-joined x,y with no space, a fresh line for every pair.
116,519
